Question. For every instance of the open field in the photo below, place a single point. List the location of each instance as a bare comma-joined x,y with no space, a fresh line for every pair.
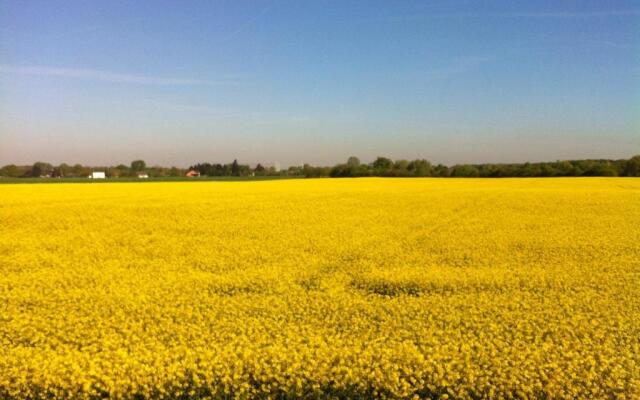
388,288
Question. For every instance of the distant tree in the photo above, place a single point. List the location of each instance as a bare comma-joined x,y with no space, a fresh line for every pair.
362,170
419,168
632,167
64,170
586,166
339,171
122,169
244,170
400,168
526,169
603,169
112,172
564,168
235,168
271,171
79,171
36,170
382,165
441,171
308,171
202,168
138,166
294,170
223,170
316,172
547,169
353,161
12,171
464,170
155,171
259,170
41,169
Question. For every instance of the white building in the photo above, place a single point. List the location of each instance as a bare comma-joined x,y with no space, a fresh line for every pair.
97,175
143,175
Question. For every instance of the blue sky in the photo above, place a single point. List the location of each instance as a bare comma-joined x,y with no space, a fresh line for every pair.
179,82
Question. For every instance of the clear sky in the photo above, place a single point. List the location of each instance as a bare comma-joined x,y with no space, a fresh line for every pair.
180,82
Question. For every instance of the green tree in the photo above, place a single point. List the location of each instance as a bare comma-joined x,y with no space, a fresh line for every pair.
632,166
441,170
235,168
382,164
138,166
464,170
603,169
12,171
419,168
547,170
122,169
400,168
64,169
79,171
353,161
259,169
41,169
564,168
340,171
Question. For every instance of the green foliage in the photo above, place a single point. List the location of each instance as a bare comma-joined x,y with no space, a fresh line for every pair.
232,169
259,170
632,167
235,168
381,166
13,171
353,161
41,169
138,165
465,171
419,168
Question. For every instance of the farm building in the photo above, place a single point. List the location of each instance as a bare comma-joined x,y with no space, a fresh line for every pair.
143,175
192,173
97,175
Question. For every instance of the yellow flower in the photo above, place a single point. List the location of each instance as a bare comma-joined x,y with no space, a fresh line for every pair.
392,288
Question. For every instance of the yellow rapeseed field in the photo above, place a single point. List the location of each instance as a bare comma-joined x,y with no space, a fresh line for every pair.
349,288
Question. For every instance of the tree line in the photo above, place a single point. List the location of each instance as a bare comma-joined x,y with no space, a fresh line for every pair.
233,169
44,169
381,166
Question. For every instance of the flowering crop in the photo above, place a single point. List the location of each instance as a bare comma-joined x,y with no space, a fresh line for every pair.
352,288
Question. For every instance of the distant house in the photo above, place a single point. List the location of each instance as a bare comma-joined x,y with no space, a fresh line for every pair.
192,173
143,175
97,175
